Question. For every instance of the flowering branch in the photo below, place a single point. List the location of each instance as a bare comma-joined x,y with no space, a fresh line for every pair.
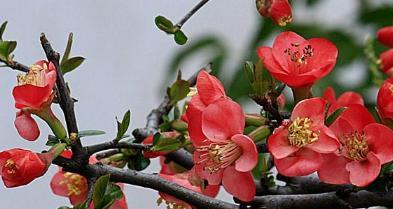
65,100
17,66
113,145
144,180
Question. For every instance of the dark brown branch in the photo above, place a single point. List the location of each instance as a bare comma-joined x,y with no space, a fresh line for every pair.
65,100
191,13
154,119
329,200
113,145
144,180
107,153
181,157
17,66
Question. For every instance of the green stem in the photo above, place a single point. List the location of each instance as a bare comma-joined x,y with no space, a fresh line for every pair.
54,123
260,133
301,93
255,120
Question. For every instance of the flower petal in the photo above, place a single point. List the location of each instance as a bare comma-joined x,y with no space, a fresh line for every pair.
380,141
364,172
249,158
329,95
194,116
282,42
232,179
265,54
313,109
356,116
278,144
31,96
327,142
222,119
26,126
214,178
209,88
57,184
332,170
301,163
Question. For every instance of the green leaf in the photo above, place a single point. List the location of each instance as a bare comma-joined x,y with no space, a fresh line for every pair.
6,48
90,133
380,16
71,64
52,140
100,188
332,117
178,90
112,193
164,24
180,37
67,50
156,138
123,126
2,29
167,144
140,162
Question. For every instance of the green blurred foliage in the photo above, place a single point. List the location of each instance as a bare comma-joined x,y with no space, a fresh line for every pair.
351,49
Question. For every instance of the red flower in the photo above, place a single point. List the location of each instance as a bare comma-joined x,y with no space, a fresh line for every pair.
279,10
297,146
74,186
365,146
19,167
33,93
387,62
189,181
385,100
344,100
385,36
298,62
222,152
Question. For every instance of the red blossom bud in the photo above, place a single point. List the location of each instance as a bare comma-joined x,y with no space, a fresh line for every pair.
387,62
19,167
385,36
385,100
279,10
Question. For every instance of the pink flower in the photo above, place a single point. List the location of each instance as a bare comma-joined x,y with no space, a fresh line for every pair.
279,10
189,181
344,100
387,62
385,36
74,186
298,62
385,100
365,146
222,153
297,147
33,94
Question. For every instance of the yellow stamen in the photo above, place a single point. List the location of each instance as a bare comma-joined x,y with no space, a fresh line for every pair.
284,21
35,76
356,146
74,183
300,133
10,166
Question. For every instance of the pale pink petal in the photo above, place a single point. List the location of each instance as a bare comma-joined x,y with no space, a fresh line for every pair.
26,126
380,141
249,158
313,109
333,169
327,142
364,172
209,88
239,184
278,144
301,163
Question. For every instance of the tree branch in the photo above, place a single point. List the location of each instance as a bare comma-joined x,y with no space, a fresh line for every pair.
16,66
144,180
329,200
113,145
65,100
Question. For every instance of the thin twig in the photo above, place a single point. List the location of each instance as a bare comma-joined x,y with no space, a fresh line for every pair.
17,66
154,118
65,100
113,145
191,13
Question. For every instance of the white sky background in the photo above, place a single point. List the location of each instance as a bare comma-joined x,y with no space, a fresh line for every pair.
126,59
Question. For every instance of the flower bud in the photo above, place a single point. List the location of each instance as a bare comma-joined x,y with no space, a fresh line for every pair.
385,36
386,59
385,101
279,10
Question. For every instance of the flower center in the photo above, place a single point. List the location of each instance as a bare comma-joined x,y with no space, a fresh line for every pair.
297,55
285,20
35,76
172,205
74,183
356,146
217,156
10,166
300,133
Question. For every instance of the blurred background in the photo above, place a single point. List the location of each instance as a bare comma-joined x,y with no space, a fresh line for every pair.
129,61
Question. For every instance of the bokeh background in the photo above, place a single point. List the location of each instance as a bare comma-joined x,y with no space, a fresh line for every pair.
129,61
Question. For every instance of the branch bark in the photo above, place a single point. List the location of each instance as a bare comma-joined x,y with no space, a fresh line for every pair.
66,102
